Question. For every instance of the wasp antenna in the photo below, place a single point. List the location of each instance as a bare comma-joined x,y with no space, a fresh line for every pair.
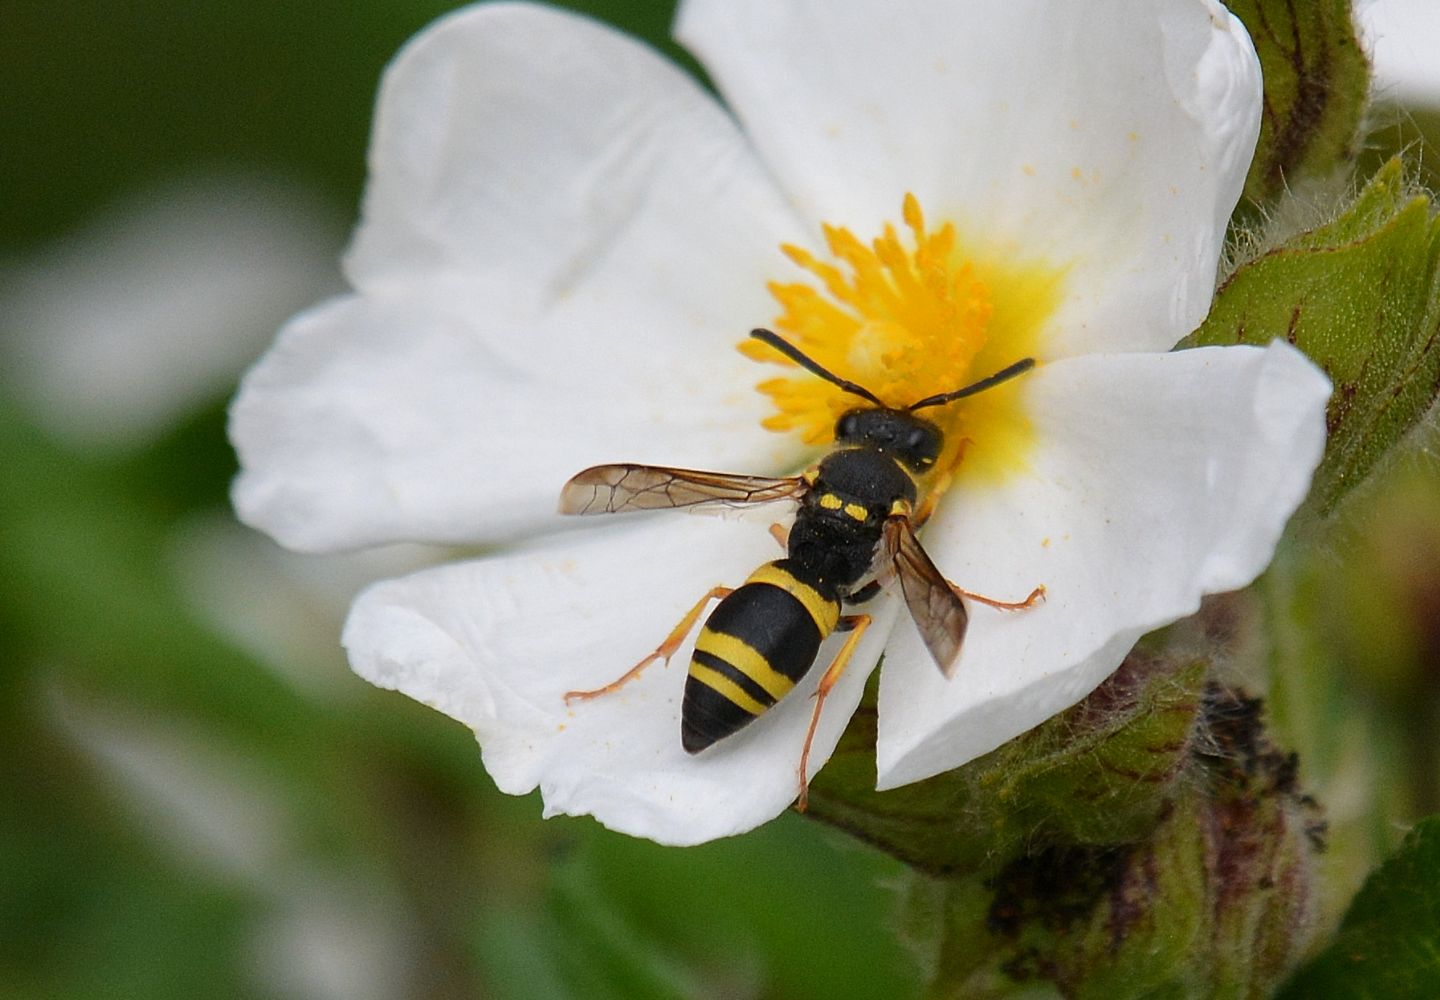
794,354
989,382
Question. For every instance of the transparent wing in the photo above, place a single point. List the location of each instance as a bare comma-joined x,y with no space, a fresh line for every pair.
617,489
933,603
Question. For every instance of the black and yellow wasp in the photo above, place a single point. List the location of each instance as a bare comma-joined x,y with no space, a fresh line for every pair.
854,531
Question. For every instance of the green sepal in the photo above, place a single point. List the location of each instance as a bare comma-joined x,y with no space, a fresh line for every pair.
1113,924
1388,944
1359,296
1317,82
1216,900
1095,774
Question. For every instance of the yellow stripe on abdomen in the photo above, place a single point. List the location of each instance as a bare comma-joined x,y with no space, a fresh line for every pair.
746,659
824,612
727,688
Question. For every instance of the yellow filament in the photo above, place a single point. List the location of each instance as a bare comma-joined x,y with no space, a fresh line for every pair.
909,317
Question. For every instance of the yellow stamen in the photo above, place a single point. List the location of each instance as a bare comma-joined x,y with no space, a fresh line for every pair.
908,316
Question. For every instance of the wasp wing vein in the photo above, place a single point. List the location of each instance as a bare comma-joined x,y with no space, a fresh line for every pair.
937,609
616,489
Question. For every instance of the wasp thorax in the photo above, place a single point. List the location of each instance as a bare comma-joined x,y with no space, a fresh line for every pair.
911,440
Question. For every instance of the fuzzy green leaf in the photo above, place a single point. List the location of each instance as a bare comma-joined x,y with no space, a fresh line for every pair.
1317,83
1096,774
1359,296
1389,942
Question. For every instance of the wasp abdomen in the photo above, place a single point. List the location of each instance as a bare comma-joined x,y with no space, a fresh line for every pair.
756,645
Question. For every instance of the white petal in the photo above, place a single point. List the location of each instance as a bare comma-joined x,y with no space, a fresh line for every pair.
375,419
1111,139
564,240
118,331
1156,479
496,643
1402,37
525,141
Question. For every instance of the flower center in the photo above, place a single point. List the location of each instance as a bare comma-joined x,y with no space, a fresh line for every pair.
907,323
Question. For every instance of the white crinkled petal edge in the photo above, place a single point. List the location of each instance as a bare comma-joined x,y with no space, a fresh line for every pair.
1156,479
1111,140
496,643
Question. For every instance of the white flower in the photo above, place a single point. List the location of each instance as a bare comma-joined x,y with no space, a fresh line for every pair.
565,238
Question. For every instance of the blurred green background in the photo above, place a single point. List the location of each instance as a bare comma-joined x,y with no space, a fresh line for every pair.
196,797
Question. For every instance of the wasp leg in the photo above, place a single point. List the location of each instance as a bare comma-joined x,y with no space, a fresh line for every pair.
662,652
866,593
1036,596
856,625
781,534
927,506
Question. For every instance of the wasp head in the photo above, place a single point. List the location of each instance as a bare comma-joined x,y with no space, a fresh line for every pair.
911,440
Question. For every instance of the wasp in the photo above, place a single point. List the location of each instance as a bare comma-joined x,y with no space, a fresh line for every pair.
854,531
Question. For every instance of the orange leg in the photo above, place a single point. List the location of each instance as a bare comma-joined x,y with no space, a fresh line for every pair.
857,624
1036,596
662,652
781,534
938,488
922,514
927,506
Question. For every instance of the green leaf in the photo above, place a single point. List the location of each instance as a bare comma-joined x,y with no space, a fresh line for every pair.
1317,82
623,917
1359,296
1388,945
85,894
604,950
